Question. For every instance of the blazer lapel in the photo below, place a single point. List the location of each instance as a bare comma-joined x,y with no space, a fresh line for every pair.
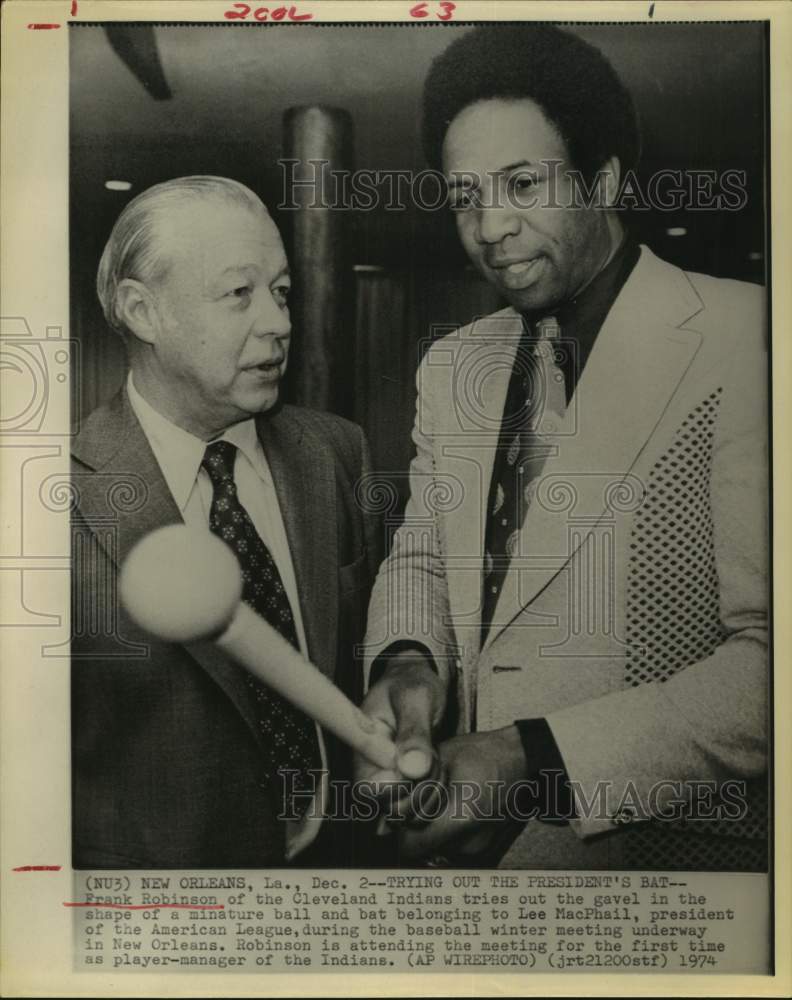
469,436
642,353
304,476
125,498
126,489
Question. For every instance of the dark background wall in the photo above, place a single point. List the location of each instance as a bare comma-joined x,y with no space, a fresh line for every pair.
700,94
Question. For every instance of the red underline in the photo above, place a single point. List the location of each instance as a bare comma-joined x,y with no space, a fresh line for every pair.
39,27
37,868
152,906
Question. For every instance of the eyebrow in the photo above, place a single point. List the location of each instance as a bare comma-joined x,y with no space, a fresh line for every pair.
515,166
509,168
283,273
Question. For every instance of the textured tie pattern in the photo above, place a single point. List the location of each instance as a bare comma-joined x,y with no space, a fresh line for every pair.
535,400
289,735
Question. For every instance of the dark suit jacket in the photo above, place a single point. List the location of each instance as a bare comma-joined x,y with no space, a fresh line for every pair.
166,756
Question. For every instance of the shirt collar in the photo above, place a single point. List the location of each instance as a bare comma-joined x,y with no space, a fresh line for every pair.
580,319
583,315
245,436
179,453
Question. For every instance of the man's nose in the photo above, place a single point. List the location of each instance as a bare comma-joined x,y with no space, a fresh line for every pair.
270,317
494,223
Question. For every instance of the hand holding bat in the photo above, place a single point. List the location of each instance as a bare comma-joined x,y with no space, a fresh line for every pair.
183,584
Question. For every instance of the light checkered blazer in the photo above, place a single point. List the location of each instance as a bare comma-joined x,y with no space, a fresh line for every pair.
634,613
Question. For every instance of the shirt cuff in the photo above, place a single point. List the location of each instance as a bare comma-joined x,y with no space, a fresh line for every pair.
547,794
400,646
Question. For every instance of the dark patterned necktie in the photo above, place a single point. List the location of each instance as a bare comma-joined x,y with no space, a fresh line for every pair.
535,400
289,735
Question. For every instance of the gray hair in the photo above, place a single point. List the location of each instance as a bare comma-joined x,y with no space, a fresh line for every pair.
134,249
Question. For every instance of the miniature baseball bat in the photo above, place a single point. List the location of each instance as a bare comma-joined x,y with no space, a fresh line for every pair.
183,584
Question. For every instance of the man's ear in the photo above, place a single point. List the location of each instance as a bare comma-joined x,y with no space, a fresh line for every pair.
609,180
137,307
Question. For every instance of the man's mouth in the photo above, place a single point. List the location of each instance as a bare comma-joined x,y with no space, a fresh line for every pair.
269,371
518,273
521,268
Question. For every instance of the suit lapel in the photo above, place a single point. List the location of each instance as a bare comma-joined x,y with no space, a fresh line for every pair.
469,436
304,476
127,490
641,354
125,486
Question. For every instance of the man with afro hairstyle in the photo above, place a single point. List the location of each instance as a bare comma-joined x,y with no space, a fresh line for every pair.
573,647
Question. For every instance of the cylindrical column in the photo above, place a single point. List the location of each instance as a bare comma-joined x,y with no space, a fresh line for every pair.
318,145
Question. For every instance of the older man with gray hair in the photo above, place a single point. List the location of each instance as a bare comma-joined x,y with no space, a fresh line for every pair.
179,758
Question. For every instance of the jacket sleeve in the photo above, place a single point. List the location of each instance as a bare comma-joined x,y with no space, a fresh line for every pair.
708,722
372,527
409,604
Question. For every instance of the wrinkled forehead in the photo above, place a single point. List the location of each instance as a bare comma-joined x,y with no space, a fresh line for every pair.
216,233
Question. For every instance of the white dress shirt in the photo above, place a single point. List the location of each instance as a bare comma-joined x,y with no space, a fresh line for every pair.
179,455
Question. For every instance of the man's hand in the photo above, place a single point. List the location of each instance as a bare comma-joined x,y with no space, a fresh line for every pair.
466,814
410,699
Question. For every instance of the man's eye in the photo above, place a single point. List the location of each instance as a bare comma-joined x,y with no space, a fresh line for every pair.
462,200
239,293
523,185
523,182
281,293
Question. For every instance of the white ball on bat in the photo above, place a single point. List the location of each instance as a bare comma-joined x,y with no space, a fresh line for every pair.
181,584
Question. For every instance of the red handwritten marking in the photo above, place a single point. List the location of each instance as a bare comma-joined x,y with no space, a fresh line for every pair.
150,906
40,27
37,868
264,13
74,8
447,8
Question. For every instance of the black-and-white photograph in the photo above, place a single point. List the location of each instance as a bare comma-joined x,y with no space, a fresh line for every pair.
421,456
392,569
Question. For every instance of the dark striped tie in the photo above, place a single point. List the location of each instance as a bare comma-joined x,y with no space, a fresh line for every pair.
535,399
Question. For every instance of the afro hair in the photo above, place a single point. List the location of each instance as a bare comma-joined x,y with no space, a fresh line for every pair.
574,84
